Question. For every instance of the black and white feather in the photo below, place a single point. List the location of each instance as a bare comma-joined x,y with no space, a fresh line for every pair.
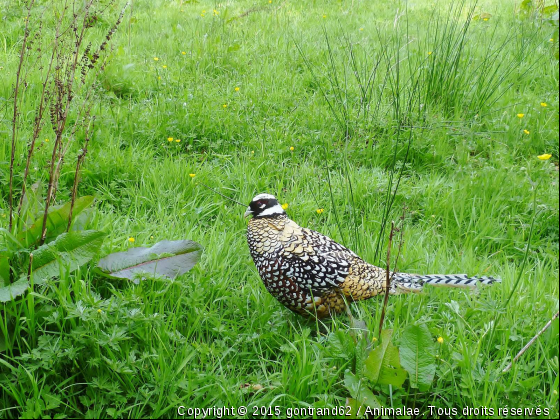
310,273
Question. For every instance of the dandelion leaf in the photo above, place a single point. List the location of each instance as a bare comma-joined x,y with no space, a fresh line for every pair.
360,393
13,290
57,222
69,251
167,259
417,355
382,365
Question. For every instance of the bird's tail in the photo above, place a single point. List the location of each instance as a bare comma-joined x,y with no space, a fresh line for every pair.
403,282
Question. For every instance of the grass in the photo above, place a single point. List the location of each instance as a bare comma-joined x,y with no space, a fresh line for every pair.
87,346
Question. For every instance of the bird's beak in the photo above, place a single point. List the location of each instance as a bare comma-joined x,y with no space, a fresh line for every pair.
248,212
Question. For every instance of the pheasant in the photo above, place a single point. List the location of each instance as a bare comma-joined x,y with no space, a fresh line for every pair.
311,274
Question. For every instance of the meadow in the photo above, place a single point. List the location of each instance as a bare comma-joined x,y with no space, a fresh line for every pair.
439,115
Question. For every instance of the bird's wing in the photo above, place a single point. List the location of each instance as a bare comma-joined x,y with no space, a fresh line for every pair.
312,259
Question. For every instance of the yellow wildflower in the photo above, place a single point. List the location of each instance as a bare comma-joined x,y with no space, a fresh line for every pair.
285,206
216,13
237,89
47,140
192,175
224,105
526,131
178,141
319,211
152,237
374,339
164,67
292,148
551,39
324,16
159,77
131,239
99,311
156,59
429,53
440,340
544,104
183,52
520,115
546,156
169,139
485,19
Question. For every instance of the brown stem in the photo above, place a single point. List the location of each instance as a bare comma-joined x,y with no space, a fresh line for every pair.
83,117
62,108
29,269
530,343
81,158
401,241
388,277
39,117
14,120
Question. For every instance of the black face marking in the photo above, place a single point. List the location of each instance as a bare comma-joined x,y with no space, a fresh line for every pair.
261,205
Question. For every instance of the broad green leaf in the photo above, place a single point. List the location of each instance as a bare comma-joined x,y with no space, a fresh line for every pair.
417,355
13,290
32,203
341,344
81,220
165,259
382,365
360,392
57,222
70,250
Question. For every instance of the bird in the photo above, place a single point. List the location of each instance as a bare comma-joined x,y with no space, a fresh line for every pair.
312,275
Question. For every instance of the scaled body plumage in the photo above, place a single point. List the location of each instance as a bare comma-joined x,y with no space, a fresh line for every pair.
311,274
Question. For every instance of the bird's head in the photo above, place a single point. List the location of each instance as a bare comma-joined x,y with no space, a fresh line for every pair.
264,205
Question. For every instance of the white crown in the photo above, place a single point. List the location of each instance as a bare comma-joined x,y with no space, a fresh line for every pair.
264,196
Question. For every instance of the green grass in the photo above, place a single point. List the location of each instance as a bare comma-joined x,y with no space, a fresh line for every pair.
87,346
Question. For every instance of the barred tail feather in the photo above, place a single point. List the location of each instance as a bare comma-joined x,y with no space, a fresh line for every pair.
404,282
